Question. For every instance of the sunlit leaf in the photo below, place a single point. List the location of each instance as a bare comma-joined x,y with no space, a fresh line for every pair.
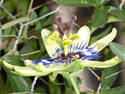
118,50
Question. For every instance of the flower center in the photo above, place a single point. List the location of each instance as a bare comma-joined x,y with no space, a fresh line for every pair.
69,57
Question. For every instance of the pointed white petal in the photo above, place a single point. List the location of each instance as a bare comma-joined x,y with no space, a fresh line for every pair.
28,71
50,68
25,71
84,34
102,43
98,64
51,48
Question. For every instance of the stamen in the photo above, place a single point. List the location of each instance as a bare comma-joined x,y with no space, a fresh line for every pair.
55,27
59,19
71,23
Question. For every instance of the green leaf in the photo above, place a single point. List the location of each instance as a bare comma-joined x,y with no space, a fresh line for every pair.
15,60
118,50
39,24
102,2
43,11
33,16
9,31
100,17
23,6
2,85
74,67
19,83
10,5
0,35
29,46
40,90
54,89
84,3
116,12
68,90
108,81
48,21
44,22
79,82
117,90
103,10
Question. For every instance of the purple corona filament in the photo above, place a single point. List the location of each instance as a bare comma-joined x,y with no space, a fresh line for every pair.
59,19
75,52
72,21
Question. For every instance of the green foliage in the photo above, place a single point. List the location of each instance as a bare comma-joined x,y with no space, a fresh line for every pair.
84,3
108,82
32,47
18,83
118,50
54,88
100,17
0,35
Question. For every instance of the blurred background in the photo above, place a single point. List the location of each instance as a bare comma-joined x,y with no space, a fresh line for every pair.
101,17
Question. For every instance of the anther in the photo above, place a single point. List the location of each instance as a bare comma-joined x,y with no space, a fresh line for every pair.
72,21
55,26
99,78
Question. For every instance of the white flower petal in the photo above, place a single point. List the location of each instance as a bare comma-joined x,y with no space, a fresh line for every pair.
51,48
84,34
28,71
99,64
25,71
50,68
102,43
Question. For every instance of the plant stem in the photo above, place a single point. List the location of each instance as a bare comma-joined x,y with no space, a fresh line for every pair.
74,85
33,84
30,53
30,7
